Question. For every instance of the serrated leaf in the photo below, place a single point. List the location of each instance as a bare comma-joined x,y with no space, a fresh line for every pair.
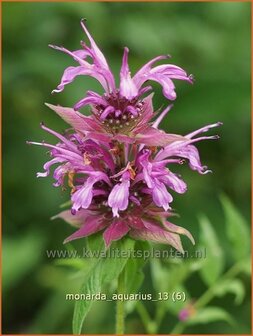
213,264
233,286
91,285
210,314
237,229
91,280
113,266
104,268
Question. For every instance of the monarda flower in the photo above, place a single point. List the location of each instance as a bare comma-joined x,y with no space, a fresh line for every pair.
123,113
117,163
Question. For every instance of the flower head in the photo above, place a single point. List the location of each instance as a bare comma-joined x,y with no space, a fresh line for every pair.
121,113
117,163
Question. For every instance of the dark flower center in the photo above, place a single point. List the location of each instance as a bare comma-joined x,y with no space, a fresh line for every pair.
123,114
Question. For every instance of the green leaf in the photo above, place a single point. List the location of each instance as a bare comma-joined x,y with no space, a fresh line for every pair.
213,264
166,278
210,314
95,244
134,275
160,275
113,266
233,286
105,267
134,266
237,229
245,266
91,285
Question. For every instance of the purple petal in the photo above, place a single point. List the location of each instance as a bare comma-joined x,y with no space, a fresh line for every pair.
59,174
102,137
124,138
191,153
147,108
90,100
135,222
72,117
167,85
96,52
174,182
153,137
82,197
71,73
91,226
115,231
99,59
75,55
178,229
127,87
81,53
158,235
75,220
160,195
132,110
64,140
161,116
104,76
47,166
108,110
118,198
203,129
163,75
138,77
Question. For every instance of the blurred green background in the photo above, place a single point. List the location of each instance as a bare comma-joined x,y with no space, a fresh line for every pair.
209,40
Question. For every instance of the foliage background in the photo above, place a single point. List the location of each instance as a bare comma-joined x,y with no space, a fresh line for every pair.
210,40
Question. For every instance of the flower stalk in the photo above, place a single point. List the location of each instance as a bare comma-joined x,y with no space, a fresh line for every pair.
120,307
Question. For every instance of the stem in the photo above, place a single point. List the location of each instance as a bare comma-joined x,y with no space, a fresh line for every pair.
147,322
178,329
160,313
120,314
208,295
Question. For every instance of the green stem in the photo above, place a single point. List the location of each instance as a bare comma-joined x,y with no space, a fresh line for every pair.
178,329
120,314
149,325
208,295
160,313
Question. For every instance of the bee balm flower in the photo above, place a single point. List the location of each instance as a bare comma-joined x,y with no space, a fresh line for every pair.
117,163
121,113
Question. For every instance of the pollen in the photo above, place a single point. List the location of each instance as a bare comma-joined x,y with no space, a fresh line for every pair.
86,159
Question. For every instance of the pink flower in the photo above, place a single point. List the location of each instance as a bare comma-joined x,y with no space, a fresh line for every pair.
121,191
119,196
117,163
121,113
